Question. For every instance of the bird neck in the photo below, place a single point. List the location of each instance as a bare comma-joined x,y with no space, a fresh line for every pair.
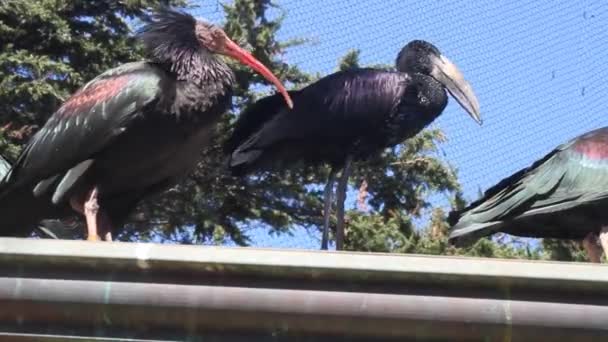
204,85
428,95
424,99
202,69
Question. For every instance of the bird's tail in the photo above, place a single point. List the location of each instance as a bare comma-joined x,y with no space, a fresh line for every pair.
15,215
465,233
246,145
510,197
21,213
484,216
242,161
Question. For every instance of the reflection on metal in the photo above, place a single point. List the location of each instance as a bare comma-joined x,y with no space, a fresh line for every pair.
54,290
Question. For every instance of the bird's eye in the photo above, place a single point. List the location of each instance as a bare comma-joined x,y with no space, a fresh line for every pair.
219,38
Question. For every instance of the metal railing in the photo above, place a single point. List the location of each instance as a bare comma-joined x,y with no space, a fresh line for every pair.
54,290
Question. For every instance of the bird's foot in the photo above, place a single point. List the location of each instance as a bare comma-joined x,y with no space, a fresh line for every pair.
107,236
91,211
98,223
91,207
592,248
604,240
93,237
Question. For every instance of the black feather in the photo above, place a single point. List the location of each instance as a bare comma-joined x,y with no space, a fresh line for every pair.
169,38
168,34
355,112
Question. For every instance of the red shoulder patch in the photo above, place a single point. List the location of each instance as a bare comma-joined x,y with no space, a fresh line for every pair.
84,99
593,146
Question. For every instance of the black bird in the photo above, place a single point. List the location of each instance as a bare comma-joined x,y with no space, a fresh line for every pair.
564,195
130,132
347,116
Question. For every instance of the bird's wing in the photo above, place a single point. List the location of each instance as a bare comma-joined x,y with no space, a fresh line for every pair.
255,116
5,166
89,120
584,168
569,176
345,103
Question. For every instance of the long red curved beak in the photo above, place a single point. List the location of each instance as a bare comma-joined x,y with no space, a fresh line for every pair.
231,49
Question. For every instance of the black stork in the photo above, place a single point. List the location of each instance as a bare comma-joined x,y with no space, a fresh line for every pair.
564,195
347,116
130,132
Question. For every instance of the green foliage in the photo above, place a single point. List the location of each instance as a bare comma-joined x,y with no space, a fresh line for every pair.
564,250
350,60
49,48
395,234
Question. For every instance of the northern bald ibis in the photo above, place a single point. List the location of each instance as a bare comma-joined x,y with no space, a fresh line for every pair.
132,131
564,195
347,116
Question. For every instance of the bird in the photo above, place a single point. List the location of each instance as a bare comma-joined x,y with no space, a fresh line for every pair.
5,166
48,228
348,116
563,195
132,131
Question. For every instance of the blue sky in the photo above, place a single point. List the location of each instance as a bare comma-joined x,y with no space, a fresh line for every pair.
539,70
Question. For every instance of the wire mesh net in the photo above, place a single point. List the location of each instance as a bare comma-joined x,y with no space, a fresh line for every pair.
538,69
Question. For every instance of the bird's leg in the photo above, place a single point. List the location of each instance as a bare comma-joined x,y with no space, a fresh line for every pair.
78,204
91,210
340,198
604,240
94,213
97,221
329,187
591,247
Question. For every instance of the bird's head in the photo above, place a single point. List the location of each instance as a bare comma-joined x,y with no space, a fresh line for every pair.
422,57
170,34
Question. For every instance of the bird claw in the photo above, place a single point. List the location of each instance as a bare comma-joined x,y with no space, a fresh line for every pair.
108,236
93,238
592,248
604,240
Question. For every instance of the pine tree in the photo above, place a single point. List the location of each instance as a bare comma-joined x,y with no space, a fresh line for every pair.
49,48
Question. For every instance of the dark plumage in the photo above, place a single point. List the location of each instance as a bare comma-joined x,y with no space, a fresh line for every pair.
347,116
132,131
46,227
564,195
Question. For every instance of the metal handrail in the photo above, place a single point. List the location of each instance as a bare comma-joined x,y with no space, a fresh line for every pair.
72,289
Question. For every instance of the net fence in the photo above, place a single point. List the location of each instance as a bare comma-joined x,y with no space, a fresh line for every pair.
538,68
